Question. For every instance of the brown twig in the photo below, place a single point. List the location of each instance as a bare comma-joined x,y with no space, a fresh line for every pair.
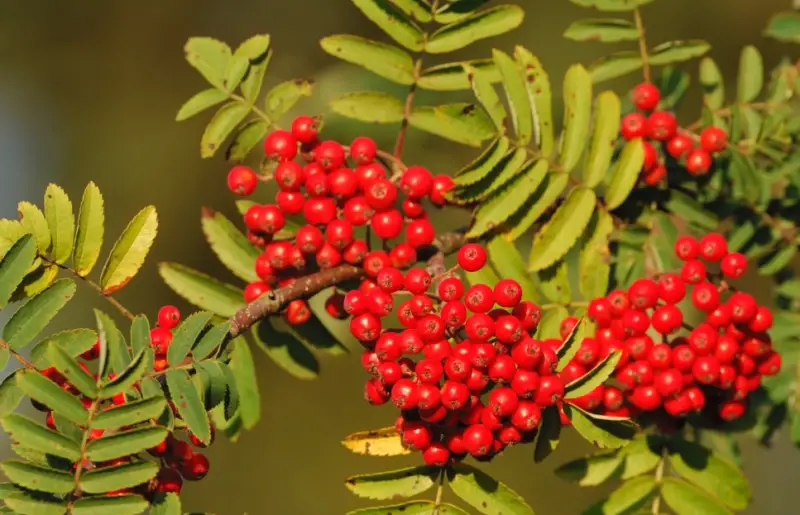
409,104
273,301
24,362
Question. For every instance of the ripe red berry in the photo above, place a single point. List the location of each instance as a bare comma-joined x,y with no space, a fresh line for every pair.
363,150
365,327
330,155
687,248
713,139
705,297
405,394
195,468
289,176
478,440
645,96
706,369
455,395
761,321
339,233
551,390
734,265
168,317
436,455
507,293
667,319
298,312
679,145
661,125
743,307
416,436
290,202
420,233
633,126
527,416
441,185
693,271
472,257
451,288
417,281
655,175
698,162
280,145
319,211
389,279
529,314
168,480
416,182
671,289
304,129
646,398
503,401
255,290
643,293
242,180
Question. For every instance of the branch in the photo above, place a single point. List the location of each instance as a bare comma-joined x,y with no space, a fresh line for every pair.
637,18
409,104
17,355
272,302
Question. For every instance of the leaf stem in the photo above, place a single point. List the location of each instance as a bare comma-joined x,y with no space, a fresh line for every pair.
637,18
409,104
655,508
76,493
17,355
261,114
114,302
439,492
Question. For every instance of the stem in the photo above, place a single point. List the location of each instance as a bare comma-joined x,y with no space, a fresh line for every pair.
264,116
114,302
401,135
17,355
439,492
76,493
637,18
655,508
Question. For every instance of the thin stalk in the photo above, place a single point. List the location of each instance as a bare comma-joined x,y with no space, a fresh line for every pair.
637,18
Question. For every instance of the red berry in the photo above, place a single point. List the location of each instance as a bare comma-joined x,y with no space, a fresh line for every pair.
168,317
705,297
363,150
280,145
339,233
242,180
507,293
706,369
479,298
693,271
365,327
667,319
503,401
526,416
551,390
743,307
451,288
661,125
441,185
455,395
417,281
655,175
713,139
405,394
419,233
416,436
633,126
358,211
732,410
319,211
168,480
436,455
679,145
195,468
304,129
477,440
646,398
330,155
298,312
698,162
289,176
255,290
671,289
416,182
472,257
403,255
645,96
643,293
669,382
687,248
650,156
734,265
761,321
529,314
381,193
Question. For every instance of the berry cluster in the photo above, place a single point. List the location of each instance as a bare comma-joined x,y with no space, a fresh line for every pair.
476,396
667,364
179,461
661,126
341,193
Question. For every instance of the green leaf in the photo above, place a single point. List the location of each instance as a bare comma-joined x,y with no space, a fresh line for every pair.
410,508
37,281
60,220
418,9
10,232
37,478
128,376
548,435
496,210
117,356
713,84
684,499
625,174
483,88
554,282
286,351
10,394
642,455
393,484
690,209
200,102
41,389
30,319
542,199
14,265
486,494
221,126
169,504
237,68
593,378
34,222
673,52
673,84
593,263
210,57
454,76
202,290
615,65
125,443
777,261
369,106
70,369
130,250
481,25
563,230
189,404
210,341
538,85
577,110
244,372
478,169
485,275
33,436
591,470
186,335
106,479
569,347
26,503
549,325
214,382
790,288
505,256
456,10
118,505
606,130
501,176
751,74
660,244
393,22
784,26
256,50
285,95
130,413
385,60
629,497
89,238
246,138
378,442
600,430
463,123
701,467
606,30
612,5
140,334
519,103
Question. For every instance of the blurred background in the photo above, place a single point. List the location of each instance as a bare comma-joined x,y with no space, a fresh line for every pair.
89,91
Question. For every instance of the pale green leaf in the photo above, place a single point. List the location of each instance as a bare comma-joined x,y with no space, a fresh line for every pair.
685,499
478,169
549,325
24,503
224,121
130,250
393,22
256,50
718,477
140,334
593,263
673,52
200,102
480,25
385,60
237,68
571,344
603,431
250,134
538,84
563,230
606,30
612,5
554,282
210,57
393,484
615,65
625,174
543,198
593,378
483,88
34,222
369,106
10,394
784,26
73,373
577,111
89,238
631,496
590,471
410,508
202,290
169,504
606,131
33,316
505,256
751,74
713,84
519,102
285,95
454,76
129,375
462,122
41,389
61,221
118,505
114,353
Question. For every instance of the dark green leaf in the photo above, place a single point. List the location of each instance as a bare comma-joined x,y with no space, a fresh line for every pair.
563,230
29,320
214,382
784,26
210,341
106,479
385,60
14,266
486,494
33,436
118,505
700,466
600,430
393,484
777,261
393,22
463,123
543,198
577,111
33,221
61,221
538,85
677,51
673,84
285,95
790,288
615,65
685,499
140,334
369,106
128,376
751,74
247,137
130,250
210,57
243,369
117,355
454,76
189,404
593,378
548,435
41,389
89,238
169,504
200,102
221,126
37,478
468,30
590,471
125,443
713,84
505,256
26,503
606,131
625,174
202,290
631,496
607,30
689,209
130,413
70,369
287,352
186,335
612,5
519,102
593,264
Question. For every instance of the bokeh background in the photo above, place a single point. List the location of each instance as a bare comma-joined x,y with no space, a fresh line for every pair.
89,90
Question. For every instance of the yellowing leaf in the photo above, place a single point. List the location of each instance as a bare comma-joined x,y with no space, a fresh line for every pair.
91,226
577,110
130,250
379,442
61,220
